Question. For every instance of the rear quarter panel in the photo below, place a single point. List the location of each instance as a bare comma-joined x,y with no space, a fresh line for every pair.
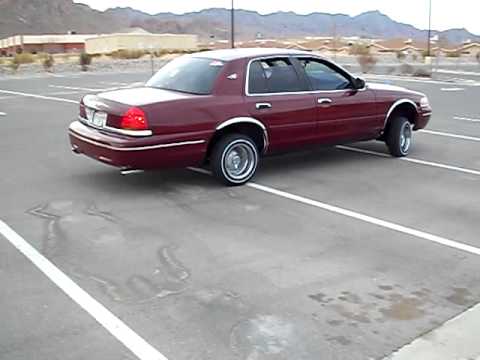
200,114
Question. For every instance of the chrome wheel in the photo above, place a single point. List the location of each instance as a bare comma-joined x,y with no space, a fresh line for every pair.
406,137
239,160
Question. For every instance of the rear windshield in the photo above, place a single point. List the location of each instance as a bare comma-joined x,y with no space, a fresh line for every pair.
188,74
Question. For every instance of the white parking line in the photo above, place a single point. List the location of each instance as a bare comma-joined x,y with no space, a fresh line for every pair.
95,89
362,217
466,119
456,136
416,80
74,88
456,72
38,96
452,89
136,344
412,160
114,83
63,93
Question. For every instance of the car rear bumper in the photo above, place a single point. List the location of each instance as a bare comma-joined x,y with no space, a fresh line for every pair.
136,153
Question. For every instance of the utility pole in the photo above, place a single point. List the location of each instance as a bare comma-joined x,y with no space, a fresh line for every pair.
232,24
429,28
334,40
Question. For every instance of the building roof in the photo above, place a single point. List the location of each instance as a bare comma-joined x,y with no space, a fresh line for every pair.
471,45
133,30
240,53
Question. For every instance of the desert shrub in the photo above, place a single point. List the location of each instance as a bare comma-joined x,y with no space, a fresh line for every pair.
400,55
453,54
390,70
425,54
422,72
367,62
47,61
85,60
24,58
161,52
19,59
13,64
359,49
407,69
128,54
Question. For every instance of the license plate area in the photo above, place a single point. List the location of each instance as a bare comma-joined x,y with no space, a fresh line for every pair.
96,118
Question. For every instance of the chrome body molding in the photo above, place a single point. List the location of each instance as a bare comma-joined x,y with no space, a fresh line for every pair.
91,102
137,148
396,104
247,120
136,133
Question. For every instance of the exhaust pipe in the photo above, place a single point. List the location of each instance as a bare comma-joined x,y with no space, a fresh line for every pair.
129,171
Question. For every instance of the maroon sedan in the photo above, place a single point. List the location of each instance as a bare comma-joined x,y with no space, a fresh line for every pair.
227,108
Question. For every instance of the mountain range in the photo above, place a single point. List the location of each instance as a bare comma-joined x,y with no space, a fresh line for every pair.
61,16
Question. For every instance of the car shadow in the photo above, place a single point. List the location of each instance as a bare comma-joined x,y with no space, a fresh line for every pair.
323,158
172,180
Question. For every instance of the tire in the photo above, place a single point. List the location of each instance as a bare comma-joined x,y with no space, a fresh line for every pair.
234,159
399,136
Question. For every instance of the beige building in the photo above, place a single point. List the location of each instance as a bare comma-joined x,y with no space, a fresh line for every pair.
106,44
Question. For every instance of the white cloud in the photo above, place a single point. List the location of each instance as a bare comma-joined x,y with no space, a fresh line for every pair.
446,14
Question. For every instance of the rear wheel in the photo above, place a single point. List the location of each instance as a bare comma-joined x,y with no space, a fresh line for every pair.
234,159
399,136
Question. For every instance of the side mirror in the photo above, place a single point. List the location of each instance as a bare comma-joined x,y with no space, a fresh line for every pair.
358,83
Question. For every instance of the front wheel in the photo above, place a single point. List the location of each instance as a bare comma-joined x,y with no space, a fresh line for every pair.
399,137
234,159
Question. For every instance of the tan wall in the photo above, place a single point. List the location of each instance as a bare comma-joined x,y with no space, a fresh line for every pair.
110,43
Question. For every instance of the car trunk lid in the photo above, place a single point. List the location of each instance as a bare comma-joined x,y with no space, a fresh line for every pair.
142,96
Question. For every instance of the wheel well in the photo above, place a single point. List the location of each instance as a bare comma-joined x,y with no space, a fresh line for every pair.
255,132
405,109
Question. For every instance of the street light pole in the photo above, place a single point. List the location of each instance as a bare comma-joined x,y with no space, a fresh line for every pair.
429,27
232,23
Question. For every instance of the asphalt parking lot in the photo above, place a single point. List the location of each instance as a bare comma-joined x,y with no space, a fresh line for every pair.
337,253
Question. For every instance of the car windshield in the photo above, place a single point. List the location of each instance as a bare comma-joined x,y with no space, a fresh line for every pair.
188,74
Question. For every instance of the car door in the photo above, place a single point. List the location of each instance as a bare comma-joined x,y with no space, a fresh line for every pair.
278,96
343,112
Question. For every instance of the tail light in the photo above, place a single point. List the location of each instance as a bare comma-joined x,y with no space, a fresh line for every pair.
134,119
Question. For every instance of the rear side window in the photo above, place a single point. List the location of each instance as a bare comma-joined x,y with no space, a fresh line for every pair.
273,76
188,74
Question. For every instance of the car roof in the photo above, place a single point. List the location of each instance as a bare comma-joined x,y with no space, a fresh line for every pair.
245,53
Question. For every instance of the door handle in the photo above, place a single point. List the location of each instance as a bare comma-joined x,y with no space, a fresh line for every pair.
324,102
261,106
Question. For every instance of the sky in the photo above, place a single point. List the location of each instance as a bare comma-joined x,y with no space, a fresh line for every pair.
446,14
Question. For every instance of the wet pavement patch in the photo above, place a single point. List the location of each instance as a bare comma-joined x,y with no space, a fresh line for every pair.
83,239
461,296
392,303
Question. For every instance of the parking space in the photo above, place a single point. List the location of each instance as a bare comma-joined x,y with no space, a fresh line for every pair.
331,253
